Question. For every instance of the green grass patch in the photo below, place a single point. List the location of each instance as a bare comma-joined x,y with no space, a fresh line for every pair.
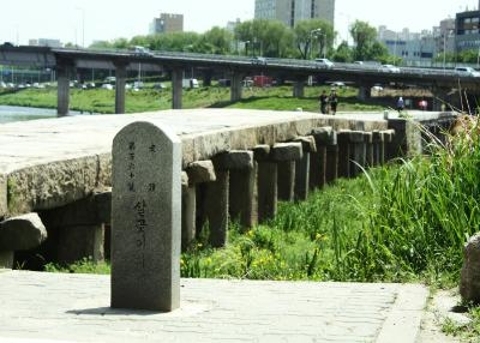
102,101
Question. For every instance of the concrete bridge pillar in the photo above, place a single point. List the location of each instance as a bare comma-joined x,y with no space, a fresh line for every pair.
212,208
302,168
177,88
214,197
242,186
358,152
196,173
364,92
377,142
318,159
344,153
299,88
368,139
331,166
236,86
267,189
120,81
79,228
64,71
285,154
390,148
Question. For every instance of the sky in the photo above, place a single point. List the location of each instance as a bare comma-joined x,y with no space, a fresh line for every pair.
84,21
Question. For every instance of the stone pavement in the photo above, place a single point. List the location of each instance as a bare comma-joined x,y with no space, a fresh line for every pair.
52,307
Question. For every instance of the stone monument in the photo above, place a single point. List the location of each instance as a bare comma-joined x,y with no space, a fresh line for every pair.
146,218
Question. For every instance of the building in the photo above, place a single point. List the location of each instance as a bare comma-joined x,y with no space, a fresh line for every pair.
167,22
53,43
467,31
290,12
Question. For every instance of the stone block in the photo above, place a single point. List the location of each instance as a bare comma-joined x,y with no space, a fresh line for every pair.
200,171
283,152
308,143
470,274
235,159
23,232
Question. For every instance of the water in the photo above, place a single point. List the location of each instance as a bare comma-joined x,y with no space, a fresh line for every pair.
10,114
14,113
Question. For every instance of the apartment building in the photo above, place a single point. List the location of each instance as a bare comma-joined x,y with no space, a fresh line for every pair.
167,22
292,11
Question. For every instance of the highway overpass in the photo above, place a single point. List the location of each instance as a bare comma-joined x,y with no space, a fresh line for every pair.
66,60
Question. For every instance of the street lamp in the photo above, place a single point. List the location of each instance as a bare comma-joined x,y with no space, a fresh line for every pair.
83,25
312,33
445,47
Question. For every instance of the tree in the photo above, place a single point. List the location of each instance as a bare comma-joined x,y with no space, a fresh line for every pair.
364,37
343,53
265,37
216,41
313,33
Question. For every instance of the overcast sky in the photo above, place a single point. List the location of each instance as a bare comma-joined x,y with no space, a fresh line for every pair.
79,21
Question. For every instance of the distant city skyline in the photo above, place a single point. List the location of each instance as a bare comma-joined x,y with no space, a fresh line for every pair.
84,21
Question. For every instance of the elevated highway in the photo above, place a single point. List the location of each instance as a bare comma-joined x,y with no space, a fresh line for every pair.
65,61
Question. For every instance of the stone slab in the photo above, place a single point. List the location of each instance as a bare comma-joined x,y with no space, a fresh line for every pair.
75,308
39,158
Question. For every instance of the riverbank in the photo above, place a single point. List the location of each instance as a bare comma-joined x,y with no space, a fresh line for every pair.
279,98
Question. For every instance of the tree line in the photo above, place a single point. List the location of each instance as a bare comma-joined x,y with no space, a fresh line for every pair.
309,39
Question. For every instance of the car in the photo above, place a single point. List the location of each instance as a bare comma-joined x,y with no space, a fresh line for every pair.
467,71
141,51
259,60
389,68
324,63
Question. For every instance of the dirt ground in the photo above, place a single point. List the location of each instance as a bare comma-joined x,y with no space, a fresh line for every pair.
441,308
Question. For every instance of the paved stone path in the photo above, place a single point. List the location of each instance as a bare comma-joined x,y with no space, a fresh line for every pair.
51,307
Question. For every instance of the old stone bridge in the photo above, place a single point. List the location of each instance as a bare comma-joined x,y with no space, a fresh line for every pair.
55,174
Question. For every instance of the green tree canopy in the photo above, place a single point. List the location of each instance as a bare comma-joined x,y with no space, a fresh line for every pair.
312,37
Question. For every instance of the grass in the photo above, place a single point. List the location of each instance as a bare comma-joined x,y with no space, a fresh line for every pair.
102,101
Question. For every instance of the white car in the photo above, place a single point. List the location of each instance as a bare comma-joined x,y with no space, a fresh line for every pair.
389,68
259,60
141,51
324,63
467,71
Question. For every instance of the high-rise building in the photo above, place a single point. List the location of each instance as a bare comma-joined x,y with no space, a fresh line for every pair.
167,22
291,12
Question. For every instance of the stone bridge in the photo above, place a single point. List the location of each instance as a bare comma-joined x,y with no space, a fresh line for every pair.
55,174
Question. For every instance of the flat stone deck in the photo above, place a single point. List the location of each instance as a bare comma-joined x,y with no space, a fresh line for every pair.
53,307
28,143
49,163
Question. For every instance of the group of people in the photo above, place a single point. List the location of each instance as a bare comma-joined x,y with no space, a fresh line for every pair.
422,104
328,103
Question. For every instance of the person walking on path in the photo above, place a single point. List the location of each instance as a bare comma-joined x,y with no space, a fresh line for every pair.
333,100
400,104
323,98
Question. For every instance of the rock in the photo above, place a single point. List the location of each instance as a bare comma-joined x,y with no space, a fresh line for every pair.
22,232
470,275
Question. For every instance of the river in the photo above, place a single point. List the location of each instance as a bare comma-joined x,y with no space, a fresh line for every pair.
15,113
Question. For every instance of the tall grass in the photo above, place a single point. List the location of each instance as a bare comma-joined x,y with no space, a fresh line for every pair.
406,221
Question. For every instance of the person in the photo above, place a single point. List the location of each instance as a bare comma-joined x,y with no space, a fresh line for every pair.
423,104
323,98
400,104
333,100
